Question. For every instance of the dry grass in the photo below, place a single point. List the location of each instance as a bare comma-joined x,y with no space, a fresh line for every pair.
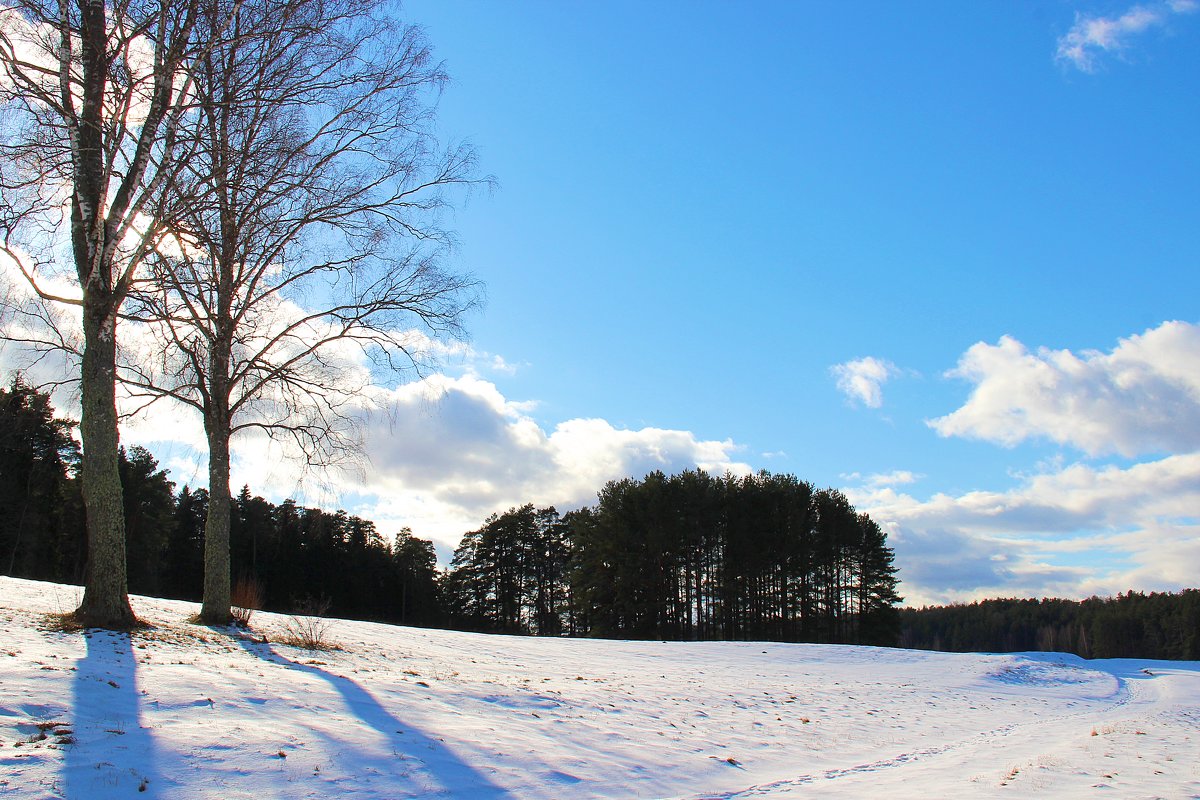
309,633
247,597
69,622
43,730
64,622
308,628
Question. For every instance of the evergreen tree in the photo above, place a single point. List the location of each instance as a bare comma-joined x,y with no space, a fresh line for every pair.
414,564
149,517
683,557
1130,625
184,558
38,462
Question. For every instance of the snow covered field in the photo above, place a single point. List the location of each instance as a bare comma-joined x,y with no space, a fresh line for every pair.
182,711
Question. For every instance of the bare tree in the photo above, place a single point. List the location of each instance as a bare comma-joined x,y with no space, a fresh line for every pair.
306,235
92,94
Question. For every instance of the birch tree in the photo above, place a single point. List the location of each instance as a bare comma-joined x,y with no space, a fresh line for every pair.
92,95
307,236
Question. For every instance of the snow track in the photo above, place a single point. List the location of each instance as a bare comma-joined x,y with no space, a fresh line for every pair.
1162,700
181,711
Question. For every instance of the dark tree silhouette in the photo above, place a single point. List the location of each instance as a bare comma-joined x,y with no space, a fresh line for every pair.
683,557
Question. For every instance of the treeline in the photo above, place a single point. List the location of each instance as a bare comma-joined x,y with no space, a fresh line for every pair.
1132,625
690,556
298,557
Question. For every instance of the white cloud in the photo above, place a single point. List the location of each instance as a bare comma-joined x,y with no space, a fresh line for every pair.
497,364
1091,36
861,380
446,452
1071,532
900,477
1066,529
1143,397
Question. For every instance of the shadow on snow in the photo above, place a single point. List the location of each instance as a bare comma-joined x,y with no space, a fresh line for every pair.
1127,668
113,755
456,777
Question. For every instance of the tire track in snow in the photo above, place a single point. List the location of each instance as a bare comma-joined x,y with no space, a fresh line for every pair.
1120,697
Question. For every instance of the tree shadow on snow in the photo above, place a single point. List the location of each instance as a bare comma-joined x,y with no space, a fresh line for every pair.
456,777
1124,668
112,754
1142,668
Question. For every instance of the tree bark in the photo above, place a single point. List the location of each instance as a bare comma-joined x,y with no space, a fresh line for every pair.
105,597
217,600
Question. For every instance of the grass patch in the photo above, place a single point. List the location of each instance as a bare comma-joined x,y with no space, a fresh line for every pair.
69,622
308,627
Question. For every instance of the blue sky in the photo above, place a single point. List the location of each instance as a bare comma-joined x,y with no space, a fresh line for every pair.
704,209
944,256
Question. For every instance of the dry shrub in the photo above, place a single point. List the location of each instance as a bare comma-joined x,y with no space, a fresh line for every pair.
308,627
247,596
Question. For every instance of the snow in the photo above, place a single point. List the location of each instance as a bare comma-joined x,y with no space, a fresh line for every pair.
185,711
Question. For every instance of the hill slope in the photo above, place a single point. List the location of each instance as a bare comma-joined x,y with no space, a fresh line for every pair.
183,711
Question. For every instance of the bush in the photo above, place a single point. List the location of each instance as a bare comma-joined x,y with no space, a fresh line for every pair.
308,627
246,597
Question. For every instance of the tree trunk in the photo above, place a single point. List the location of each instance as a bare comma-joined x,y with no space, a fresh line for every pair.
105,597
217,601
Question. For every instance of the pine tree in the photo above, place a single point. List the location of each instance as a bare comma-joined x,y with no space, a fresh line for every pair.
38,459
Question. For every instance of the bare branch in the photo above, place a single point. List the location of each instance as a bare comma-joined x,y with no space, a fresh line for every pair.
91,94
307,216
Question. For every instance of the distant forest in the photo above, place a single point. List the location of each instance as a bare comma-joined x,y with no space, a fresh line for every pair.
1132,625
689,556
